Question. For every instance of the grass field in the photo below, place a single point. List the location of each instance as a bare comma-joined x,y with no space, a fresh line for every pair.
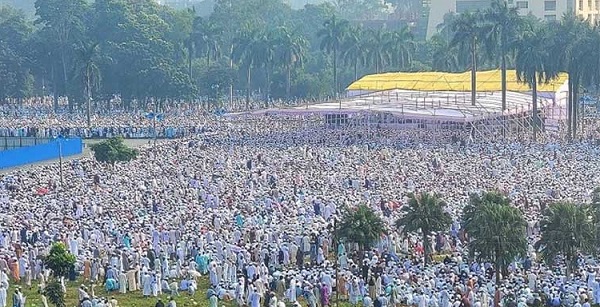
132,299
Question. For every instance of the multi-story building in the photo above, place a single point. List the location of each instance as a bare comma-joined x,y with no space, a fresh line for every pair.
543,9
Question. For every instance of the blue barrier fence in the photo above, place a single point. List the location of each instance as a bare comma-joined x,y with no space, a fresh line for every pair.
37,153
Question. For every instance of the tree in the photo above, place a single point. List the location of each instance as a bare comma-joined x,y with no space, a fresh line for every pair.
63,22
86,56
426,213
361,225
291,52
567,229
16,80
476,201
533,64
54,292
467,32
576,51
332,36
380,48
246,51
503,33
113,150
444,56
59,260
401,47
354,51
496,230
266,52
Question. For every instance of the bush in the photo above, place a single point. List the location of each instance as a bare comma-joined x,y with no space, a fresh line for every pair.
54,292
59,260
113,150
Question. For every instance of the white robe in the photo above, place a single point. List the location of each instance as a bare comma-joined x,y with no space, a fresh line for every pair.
122,283
2,297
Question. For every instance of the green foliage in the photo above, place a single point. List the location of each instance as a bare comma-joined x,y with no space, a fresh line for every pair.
496,230
59,260
426,213
476,201
149,51
113,150
567,229
54,292
16,80
361,225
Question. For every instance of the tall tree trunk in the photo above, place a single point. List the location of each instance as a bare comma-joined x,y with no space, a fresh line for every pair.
498,267
207,57
288,83
569,108
473,71
190,56
575,105
88,99
64,68
268,87
335,81
536,118
426,245
248,84
54,89
503,68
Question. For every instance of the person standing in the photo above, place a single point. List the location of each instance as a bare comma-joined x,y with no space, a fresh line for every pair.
2,295
16,299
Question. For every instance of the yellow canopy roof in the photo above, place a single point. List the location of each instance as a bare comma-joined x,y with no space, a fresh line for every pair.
487,81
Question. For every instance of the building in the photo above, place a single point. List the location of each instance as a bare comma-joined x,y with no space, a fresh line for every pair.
543,9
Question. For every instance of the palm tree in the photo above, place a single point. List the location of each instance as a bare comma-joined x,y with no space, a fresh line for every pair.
354,51
402,47
503,32
360,225
206,37
266,48
332,36
534,65
467,30
291,53
426,213
567,230
194,42
496,234
577,45
476,200
445,57
87,55
246,51
379,52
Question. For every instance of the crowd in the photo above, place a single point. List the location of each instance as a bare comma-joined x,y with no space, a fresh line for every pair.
251,207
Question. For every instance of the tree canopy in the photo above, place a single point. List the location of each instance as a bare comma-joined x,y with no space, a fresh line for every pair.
567,230
113,150
425,213
496,230
361,225
59,260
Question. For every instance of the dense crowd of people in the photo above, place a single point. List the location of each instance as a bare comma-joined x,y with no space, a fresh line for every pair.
250,206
